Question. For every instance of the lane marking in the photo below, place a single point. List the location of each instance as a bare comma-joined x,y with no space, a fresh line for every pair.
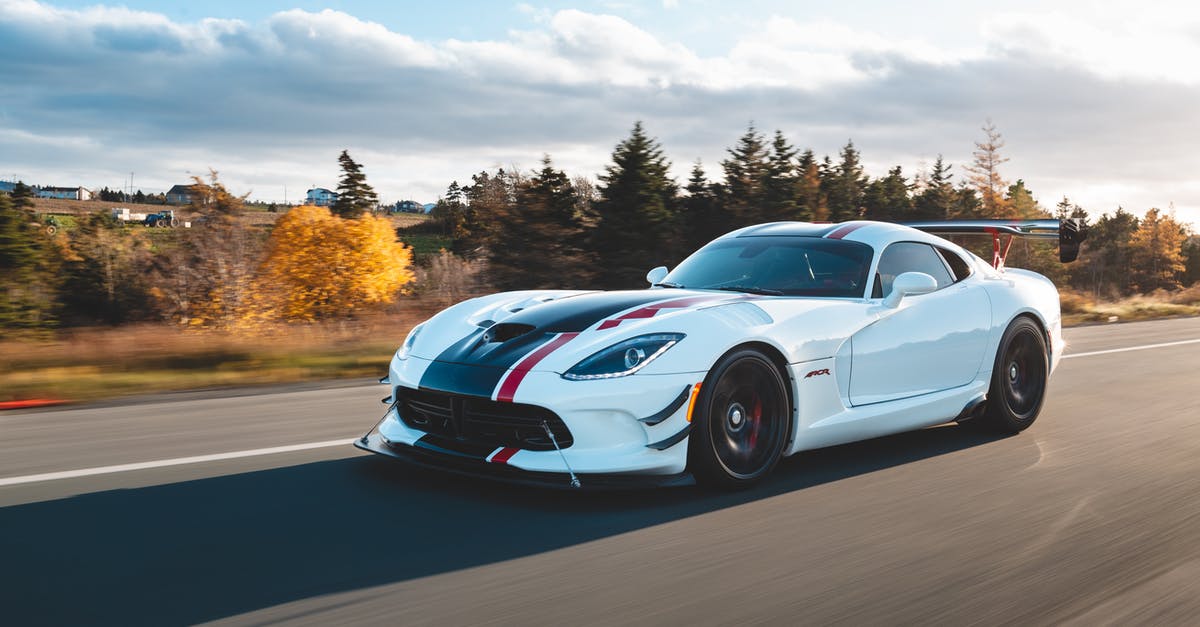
1132,348
179,461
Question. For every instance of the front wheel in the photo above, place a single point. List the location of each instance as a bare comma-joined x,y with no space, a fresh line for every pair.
1019,378
741,422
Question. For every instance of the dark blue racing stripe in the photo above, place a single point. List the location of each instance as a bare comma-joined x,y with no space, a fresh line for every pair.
474,366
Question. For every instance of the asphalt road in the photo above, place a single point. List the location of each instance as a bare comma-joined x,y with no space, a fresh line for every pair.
1090,517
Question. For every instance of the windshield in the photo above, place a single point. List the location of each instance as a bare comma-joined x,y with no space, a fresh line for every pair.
783,265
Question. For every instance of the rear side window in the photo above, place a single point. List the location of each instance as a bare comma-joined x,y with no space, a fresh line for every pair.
958,267
904,257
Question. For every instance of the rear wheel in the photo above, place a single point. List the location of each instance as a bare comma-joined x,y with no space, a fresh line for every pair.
1019,378
741,421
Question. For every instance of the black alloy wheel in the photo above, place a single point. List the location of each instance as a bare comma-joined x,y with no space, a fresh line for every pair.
742,421
1019,378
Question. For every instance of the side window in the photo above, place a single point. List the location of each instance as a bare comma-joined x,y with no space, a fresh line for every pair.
904,257
958,266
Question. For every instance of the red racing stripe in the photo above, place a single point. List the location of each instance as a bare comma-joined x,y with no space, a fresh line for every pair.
846,229
650,310
503,455
508,387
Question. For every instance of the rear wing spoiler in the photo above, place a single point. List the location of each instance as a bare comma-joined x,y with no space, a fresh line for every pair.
1069,232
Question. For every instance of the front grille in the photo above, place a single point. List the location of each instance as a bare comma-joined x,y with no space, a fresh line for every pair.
481,420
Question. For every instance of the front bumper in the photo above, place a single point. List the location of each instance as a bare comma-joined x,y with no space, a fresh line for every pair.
374,442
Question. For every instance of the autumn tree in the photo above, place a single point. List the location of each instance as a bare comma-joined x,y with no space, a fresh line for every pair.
319,266
984,174
355,196
540,236
207,279
1156,251
635,214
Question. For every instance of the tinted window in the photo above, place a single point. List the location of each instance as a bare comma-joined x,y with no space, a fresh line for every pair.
793,265
958,267
904,257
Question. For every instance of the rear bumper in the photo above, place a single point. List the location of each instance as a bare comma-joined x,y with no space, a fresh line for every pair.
432,458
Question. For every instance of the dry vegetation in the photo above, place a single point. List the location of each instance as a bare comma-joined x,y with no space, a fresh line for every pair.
1080,308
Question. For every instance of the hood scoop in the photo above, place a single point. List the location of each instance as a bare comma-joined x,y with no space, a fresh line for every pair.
506,331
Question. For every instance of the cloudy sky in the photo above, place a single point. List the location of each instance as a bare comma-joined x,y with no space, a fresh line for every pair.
1099,101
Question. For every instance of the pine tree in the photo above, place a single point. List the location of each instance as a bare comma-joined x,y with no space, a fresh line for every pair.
779,186
847,186
887,198
22,196
937,200
811,202
355,196
26,300
701,216
545,221
1106,254
636,213
746,171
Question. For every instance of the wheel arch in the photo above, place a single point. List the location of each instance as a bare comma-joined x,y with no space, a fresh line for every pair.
772,352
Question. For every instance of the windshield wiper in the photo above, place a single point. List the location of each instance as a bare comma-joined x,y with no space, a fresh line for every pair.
667,284
750,289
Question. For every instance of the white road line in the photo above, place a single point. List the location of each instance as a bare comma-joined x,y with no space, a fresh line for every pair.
180,461
1132,348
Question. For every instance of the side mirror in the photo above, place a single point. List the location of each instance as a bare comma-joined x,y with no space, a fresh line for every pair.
656,275
909,284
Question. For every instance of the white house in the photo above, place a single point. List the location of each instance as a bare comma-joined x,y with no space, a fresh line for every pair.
68,193
321,197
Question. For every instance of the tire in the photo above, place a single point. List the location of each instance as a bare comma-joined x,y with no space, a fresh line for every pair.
741,422
1019,379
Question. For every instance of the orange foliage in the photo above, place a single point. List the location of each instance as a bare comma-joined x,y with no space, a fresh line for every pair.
320,266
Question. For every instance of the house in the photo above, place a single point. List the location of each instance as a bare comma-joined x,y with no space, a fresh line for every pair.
68,193
181,195
321,197
7,187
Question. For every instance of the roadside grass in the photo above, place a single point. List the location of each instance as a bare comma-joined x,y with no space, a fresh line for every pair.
94,364
1079,308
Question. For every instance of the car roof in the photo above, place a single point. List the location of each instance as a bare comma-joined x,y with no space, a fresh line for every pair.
874,234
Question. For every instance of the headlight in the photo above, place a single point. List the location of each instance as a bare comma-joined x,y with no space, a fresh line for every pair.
624,358
402,352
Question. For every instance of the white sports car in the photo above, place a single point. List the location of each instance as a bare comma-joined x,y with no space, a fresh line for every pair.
770,340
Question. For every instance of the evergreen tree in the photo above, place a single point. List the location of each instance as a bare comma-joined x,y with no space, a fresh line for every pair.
355,196
811,202
635,214
701,217
887,198
26,298
22,196
847,186
544,220
746,171
937,200
1106,255
1191,261
779,186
